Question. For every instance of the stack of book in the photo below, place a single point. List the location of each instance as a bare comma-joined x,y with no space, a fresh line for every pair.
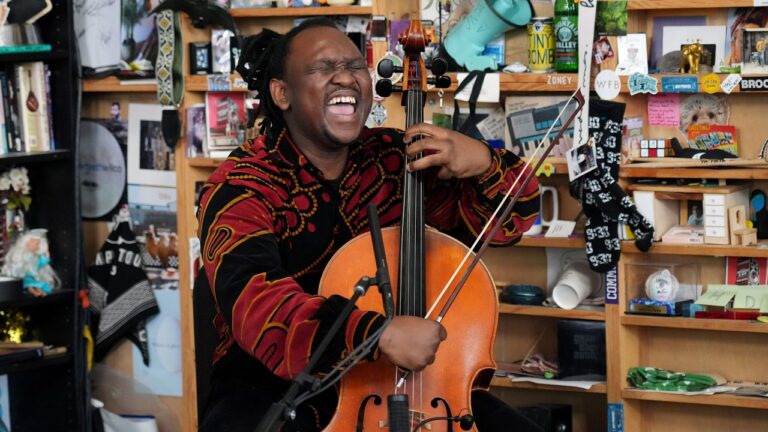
26,123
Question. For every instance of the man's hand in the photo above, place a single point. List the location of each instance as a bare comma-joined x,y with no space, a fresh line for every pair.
456,154
411,342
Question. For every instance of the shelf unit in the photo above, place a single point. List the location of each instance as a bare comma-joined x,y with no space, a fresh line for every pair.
56,319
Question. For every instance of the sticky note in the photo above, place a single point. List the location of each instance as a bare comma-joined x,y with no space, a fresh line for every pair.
717,295
664,109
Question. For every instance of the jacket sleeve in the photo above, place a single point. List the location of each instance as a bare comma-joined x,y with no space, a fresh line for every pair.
466,204
263,309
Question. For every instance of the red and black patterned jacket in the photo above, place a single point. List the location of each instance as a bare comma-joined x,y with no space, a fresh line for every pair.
269,222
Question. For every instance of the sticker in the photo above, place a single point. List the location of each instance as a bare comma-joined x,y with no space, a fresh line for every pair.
615,417
378,114
218,82
492,127
710,83
642,83
559,80
611,283
754,84
547,168
681,84
730,82
581,159
607,85
239,83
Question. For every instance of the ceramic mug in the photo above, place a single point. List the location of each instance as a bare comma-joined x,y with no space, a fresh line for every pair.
539,223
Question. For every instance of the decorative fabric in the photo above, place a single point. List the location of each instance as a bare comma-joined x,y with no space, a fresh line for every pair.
605,203
170,83
119,292
651,378
269,222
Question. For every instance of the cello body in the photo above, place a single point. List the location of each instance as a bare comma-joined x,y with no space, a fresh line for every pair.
464,360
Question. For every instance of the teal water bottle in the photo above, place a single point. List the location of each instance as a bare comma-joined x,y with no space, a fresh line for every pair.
566,36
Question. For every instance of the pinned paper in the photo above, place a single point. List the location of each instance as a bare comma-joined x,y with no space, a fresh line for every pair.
664,110
710,83
717,295
492,127
730,83
642,83
488,93
752,297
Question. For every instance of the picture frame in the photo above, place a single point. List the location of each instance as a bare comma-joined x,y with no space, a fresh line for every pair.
150,160
199,58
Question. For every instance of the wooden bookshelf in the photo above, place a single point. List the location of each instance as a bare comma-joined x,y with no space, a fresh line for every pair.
642,171
697,250
300,11
573,242
720,325
204,162
686,4
593,314
504,382
113,85
724,400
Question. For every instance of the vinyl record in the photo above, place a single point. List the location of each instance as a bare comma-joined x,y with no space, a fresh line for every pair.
102,170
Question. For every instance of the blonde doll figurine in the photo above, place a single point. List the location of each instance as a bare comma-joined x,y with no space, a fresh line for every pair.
29,259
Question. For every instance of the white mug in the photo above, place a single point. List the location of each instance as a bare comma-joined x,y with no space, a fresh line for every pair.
576,283
537,226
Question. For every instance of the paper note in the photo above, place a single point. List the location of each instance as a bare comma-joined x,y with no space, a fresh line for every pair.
664,110
717,295
488,93
752,297
492,127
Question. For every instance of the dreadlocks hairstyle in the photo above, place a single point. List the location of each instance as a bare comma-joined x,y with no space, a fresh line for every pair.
263,59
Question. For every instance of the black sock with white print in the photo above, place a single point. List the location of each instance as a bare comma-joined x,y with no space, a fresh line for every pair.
605,203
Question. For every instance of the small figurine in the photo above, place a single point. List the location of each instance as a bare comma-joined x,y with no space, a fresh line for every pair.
662,286
29,259
691,56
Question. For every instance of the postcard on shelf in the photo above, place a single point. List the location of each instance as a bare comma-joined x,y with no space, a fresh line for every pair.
633,55
753,53
225,114
529,117
713,137
712,39
746,271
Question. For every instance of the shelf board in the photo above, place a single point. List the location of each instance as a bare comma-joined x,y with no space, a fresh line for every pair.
33,56
716,400
113,85
686,4
300,11
573,242
61,295
200,83
35,364
596,314
740,326
204,162
34,157
697,250
507,383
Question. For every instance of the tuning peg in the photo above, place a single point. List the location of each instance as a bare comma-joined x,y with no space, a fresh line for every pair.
439,66
384,88
442,81
386,68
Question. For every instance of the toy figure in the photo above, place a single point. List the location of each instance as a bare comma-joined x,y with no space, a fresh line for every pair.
29,259
691,56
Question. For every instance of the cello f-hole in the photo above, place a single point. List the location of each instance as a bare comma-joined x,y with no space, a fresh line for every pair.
361,410
448,422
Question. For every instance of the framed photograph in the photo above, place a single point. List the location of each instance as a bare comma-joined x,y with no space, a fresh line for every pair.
199,58
150,160
692,213
225,115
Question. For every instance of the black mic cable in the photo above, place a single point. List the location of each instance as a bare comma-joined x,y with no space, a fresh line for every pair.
465,422
382,270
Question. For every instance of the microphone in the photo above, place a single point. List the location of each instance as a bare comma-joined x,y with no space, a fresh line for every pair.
397,413
382,270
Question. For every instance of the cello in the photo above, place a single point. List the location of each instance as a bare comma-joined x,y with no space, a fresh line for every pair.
421,262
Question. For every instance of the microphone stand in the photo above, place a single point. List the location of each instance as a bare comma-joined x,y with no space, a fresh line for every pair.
285,408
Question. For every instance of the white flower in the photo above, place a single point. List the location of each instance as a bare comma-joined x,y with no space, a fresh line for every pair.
5,182
17,184
18,175
25,189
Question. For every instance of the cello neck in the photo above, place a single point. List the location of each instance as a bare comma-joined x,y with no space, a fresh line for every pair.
411,279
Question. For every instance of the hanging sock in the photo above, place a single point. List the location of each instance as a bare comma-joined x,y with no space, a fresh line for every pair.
605,203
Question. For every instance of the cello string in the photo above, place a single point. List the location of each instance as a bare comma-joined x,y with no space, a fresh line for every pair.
498,209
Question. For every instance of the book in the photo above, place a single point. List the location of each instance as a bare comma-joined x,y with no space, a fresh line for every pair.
33,106
225,116
12,119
